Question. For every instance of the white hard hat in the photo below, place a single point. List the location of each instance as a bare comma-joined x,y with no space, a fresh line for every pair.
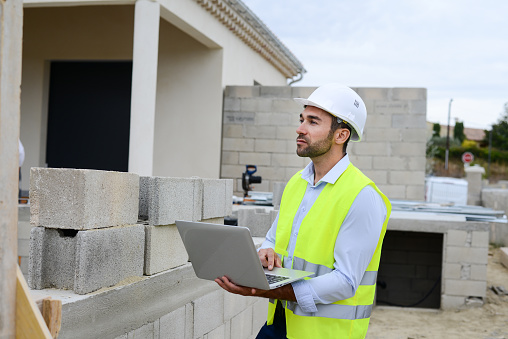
341,102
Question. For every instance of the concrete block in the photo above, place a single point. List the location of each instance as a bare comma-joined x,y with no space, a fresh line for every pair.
232,131
480,239
392,107
145,331
85,261
242,91
170,199
408,121
409,149
378,119
466,288
256,105
208,313
389,163
232,171
456,238
471,255
504,256
257,220
287,160
379,177
82,199
275,91
301,92
393,191
259,314
363,162
217,197
177,324
241,325
415,192
24,229
220,332
286,132
413,135
238,118
478,272
260,132
449,302
273,119
271,145
409,94
370,148
278,189
237,144
234,304
382,134
286,105
231,104
23,213
407,177
255,158
164,249
230,158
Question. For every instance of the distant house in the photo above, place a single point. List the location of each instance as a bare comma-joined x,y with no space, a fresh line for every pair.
474,134
138,85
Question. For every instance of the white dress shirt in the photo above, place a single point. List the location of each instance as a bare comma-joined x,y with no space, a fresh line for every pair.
355,245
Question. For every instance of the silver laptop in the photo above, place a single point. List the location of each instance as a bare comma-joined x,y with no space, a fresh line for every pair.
222,250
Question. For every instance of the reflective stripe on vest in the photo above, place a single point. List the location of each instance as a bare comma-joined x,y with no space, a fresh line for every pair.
349,312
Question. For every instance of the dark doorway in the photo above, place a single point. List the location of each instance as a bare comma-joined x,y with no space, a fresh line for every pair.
410,270
89,115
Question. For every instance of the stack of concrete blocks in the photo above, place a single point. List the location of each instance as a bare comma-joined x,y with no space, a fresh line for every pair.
259,128
464,267
497,199
214,315
164,200
86,235
474,184
24,229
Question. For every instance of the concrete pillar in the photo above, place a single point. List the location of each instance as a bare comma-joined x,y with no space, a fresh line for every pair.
144,86
11,23
474,184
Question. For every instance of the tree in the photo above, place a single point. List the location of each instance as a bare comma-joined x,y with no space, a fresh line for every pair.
458,131
436,130
499,132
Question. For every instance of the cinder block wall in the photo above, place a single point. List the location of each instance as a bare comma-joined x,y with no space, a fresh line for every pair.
259,128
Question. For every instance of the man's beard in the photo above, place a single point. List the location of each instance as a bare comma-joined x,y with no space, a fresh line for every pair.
317,148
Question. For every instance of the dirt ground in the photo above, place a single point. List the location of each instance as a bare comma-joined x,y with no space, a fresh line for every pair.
487,322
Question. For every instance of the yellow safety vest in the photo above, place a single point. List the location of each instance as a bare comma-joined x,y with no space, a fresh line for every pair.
314,251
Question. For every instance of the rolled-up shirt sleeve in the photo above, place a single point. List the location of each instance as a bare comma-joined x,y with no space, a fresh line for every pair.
355,245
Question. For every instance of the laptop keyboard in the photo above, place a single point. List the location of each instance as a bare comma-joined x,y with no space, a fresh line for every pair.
272,279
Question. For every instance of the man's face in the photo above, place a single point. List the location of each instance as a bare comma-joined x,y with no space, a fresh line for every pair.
315,137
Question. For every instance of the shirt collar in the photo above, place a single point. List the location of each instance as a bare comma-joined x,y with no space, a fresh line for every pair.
330,177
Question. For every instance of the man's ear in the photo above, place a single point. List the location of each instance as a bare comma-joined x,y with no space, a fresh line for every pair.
341,135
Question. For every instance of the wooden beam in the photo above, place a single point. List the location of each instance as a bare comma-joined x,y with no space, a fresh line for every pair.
29,321
52,314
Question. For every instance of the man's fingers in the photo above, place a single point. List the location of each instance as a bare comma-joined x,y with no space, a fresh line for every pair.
278,262
270,257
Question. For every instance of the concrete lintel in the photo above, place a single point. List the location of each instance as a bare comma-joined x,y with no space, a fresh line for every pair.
441,224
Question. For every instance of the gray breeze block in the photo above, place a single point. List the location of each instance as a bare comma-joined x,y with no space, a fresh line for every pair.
257,220
165,200
164,249
83,199
162,200
217,198
85,261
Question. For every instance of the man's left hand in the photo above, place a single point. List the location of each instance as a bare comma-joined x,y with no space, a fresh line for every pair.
231,287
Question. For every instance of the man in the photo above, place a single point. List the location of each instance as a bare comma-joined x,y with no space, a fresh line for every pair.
332,221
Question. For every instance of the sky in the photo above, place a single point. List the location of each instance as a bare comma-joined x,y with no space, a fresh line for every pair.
457,49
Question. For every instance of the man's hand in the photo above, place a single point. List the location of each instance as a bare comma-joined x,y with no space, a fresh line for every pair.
283,293
269,258
229,286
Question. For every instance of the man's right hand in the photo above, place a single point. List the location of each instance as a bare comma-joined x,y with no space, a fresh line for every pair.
269,258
